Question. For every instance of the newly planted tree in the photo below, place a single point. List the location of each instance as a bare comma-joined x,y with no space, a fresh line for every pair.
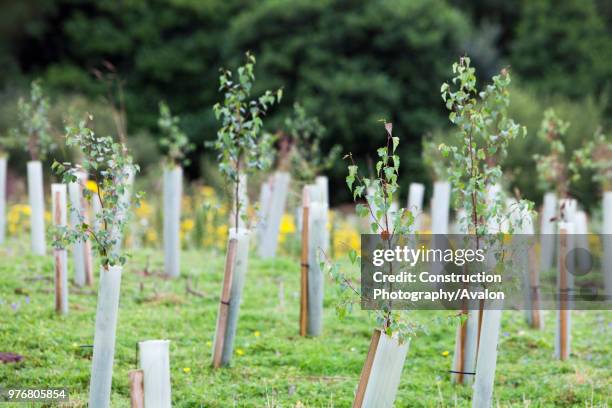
34,134
243,149
382,369
557,170
307,161
178,146
307,158
597,156
105,162
477,150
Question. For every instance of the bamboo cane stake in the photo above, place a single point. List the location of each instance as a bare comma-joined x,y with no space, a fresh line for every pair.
224,303
304,263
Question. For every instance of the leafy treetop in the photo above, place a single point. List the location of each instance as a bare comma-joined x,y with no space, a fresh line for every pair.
434,160
174,139
107,163
596,155
553,168
34,126
379,192
241,144
306,133
481,142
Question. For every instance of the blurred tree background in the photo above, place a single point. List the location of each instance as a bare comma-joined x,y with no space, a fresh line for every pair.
349,63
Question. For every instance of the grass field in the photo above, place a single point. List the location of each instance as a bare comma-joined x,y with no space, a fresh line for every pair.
273,366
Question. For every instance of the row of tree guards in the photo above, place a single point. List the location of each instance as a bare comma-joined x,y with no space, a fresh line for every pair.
100,217
476,331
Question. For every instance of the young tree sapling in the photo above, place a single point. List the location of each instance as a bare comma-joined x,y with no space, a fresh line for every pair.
243,148
177,144
105,162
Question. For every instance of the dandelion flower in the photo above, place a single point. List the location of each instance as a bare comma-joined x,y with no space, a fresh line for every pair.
240,351
186,370
257,333
445,353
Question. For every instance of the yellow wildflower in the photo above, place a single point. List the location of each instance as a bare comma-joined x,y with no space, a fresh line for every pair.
91,186
445,353
187,225
240,351
186,370
144,210
287,225
207,191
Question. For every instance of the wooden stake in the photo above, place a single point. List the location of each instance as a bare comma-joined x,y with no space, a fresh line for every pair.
136,388
58,197
59,280
224,303
563,295
461,362
367,369
304,264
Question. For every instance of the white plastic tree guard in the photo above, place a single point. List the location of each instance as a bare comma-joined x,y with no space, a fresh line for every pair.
173,186
466,336
494,194
487,357
104,338
416,194
37,207
440,204
547,230
121,211
265,195
316,242
323,185
96,209
606,230
581,228
76,217
381,373
231,296
155,364
3,161
569,210
58,199
243,199
280,187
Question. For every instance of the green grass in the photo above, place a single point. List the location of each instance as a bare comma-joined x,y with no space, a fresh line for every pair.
278,368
